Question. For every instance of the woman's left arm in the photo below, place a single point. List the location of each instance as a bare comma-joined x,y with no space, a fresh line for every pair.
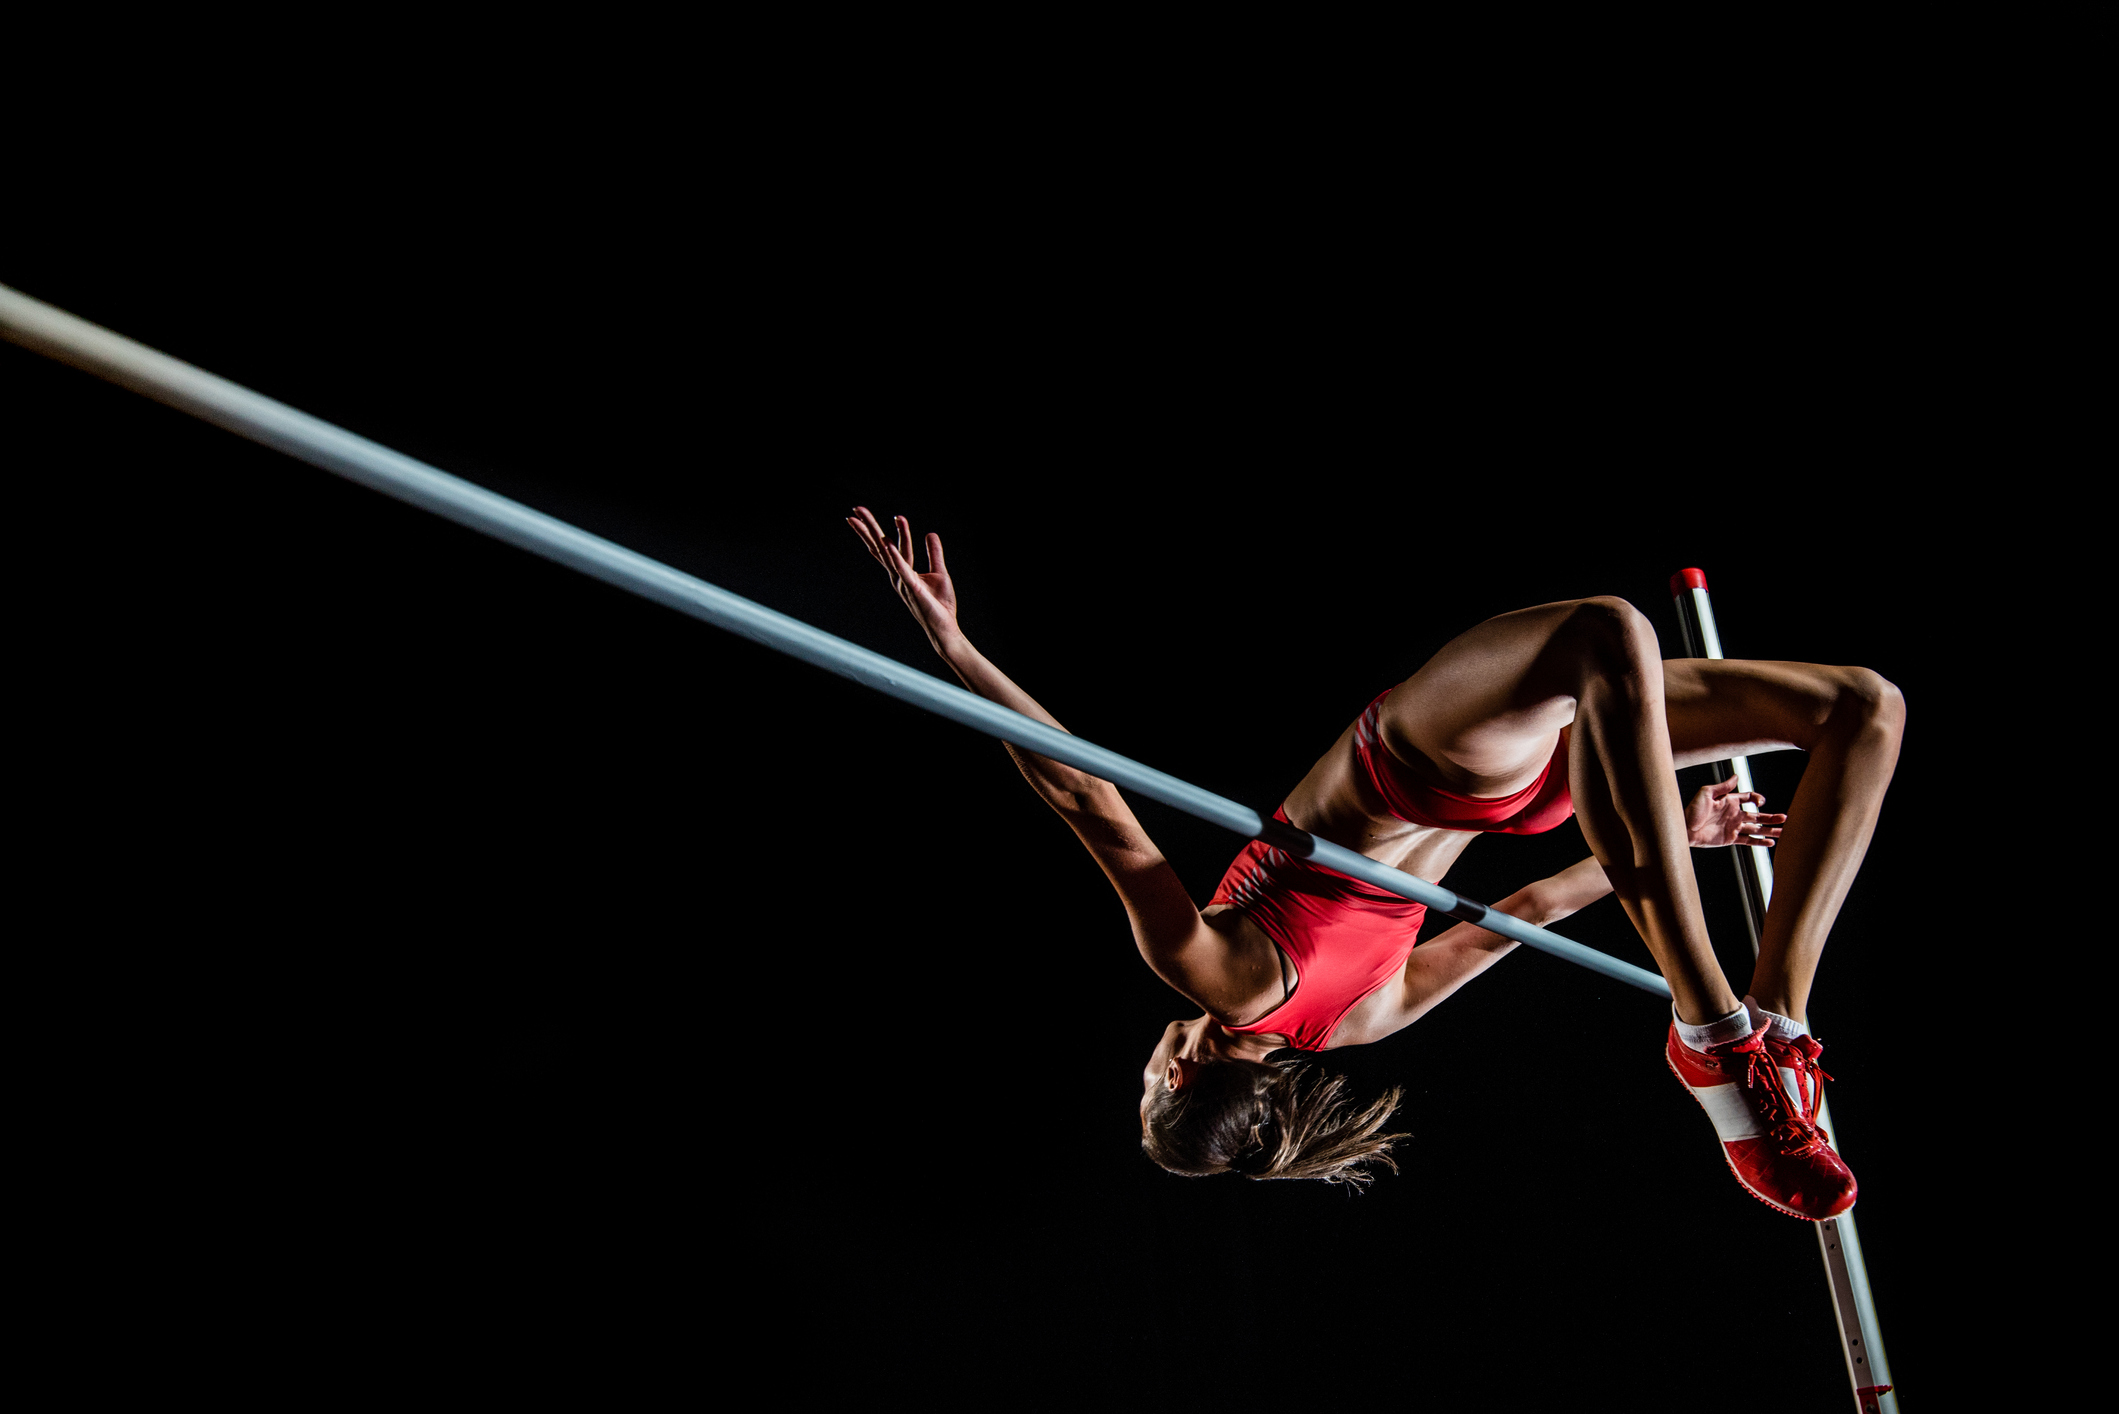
1174,940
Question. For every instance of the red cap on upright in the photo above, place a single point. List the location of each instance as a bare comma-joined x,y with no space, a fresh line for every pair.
1687,579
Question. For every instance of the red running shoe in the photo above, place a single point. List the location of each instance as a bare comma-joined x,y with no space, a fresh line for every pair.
1762,1095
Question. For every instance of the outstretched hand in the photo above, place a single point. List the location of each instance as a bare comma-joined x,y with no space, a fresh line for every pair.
930,596
1716,818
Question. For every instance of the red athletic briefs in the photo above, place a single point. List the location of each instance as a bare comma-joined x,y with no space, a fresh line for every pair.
1347,938
1542,805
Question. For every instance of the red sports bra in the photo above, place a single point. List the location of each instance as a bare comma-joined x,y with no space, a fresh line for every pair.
1345,937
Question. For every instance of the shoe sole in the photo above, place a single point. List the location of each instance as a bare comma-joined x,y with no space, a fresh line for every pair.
1805,1217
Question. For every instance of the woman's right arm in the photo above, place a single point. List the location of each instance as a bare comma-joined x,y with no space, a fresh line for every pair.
1173,939
1715,819
1445,962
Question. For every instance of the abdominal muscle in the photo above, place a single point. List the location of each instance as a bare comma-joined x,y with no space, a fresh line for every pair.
1336,802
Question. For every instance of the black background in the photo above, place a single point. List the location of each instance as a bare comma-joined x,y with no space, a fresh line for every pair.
516,972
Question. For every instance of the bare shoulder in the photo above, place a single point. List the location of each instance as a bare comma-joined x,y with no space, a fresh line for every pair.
1380,1014
1246,976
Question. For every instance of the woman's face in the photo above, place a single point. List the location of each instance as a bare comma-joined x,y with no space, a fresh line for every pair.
1174,1061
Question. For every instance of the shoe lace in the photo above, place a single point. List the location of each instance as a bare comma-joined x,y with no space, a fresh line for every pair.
1809,1075
1792,1125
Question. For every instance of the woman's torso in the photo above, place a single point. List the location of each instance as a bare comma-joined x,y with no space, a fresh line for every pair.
1340,937
1338,801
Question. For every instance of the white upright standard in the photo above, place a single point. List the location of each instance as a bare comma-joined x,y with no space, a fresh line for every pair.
1860,1339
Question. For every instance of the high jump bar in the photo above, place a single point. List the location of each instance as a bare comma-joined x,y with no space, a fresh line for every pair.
58,335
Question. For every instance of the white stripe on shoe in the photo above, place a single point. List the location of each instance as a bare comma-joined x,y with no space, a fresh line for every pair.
1733,1116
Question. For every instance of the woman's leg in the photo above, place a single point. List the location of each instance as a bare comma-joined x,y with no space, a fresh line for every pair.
1850,721
1485,713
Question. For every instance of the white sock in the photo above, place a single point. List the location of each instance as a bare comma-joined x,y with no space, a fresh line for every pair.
1785,1028
1733,1027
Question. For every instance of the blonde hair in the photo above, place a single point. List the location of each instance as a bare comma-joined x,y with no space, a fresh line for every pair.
1269,1119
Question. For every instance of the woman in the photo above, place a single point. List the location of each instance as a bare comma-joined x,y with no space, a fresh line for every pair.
1525,719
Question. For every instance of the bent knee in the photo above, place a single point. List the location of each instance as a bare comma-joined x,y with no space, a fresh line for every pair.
1869,701
1614,631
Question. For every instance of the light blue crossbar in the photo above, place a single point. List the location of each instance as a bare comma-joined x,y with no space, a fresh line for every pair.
59,335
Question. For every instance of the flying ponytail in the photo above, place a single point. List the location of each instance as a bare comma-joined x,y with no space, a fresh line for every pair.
1269,1119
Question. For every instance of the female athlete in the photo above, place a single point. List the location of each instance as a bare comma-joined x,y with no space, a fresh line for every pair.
1521,721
